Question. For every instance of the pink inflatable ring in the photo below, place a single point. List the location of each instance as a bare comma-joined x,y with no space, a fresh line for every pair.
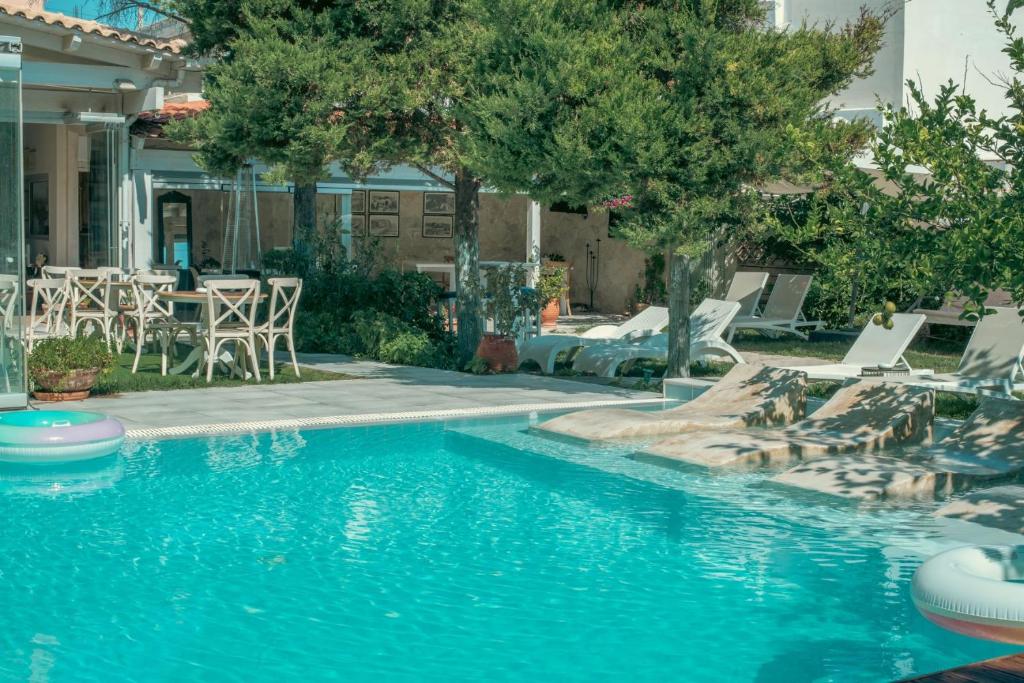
55,436
974,591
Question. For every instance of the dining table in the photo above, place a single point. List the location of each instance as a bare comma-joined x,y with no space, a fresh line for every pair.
197,356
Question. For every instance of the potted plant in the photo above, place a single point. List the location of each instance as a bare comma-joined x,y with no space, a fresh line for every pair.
552,285
65,369
510,304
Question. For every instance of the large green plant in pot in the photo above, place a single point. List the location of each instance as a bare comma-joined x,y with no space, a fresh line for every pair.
510,304
62,368
552,285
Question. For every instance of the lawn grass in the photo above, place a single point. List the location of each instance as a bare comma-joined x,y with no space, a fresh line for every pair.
120,379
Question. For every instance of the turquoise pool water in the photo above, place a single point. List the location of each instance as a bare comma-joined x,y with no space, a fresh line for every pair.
433,552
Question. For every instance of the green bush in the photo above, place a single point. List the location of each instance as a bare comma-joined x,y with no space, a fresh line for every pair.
337,291
64,354
386,338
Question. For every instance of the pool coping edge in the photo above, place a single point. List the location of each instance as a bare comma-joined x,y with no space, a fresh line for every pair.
221,428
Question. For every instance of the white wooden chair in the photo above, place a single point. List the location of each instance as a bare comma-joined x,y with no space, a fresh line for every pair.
57,272
151,315
92,300
231,317
10,331
284,301
46,314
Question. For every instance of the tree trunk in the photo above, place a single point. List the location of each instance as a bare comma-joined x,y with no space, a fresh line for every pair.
467,264
304,219
678,316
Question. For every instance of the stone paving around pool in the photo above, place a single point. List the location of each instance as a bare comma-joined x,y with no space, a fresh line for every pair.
377,389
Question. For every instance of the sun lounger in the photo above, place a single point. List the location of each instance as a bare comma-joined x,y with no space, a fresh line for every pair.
749,396
875,346
783,310
950,311
864,415
988,448
707,324
746,289
992,359
544,349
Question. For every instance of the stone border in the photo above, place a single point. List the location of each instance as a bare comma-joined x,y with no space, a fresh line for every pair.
374,418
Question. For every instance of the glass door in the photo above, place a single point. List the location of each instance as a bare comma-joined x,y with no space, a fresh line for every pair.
97,235
13,388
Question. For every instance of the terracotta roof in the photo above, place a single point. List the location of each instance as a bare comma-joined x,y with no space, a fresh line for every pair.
150,124
20,10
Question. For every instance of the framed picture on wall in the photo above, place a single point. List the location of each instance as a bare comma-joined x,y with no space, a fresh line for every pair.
382,201
358,202
383,226
438,226
358,225
442,203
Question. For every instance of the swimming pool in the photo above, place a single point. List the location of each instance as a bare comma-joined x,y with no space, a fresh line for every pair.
447,552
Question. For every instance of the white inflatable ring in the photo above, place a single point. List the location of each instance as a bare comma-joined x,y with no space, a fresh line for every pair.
975,591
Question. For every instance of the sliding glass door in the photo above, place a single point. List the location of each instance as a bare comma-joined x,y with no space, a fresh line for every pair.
12,236
97,237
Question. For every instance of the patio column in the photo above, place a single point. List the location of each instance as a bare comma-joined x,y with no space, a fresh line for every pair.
533,240
346,223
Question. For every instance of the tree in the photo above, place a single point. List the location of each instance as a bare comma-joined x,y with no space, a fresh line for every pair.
712,103
376,83
948,219
273,95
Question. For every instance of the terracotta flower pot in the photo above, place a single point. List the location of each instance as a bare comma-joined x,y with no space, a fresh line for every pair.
73,385
549,314
499,352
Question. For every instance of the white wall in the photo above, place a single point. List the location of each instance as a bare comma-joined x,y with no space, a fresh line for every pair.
929,41
956,39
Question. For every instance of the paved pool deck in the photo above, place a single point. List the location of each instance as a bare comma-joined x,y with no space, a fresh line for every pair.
378,392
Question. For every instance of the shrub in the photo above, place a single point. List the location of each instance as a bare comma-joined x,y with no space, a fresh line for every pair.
336,291
64,354
386,338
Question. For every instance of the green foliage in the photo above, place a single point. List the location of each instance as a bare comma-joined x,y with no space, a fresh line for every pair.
950,224
477,366
385,338
654,291
64,354
509,302
553,282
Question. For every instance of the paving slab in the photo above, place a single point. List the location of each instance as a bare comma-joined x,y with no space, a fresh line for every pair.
377,388
1001,507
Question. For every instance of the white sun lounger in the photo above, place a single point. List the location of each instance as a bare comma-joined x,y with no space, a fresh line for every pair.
783,310
543,350
707,324
993,358
747,288
875,346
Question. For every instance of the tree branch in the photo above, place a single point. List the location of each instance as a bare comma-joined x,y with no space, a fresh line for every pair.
434,176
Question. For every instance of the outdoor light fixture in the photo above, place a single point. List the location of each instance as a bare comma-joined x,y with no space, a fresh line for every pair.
125,85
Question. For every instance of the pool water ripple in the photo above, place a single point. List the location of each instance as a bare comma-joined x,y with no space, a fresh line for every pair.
426,552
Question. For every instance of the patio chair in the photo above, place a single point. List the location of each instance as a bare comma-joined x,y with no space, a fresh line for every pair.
748,396
231,317
747,288
10,331
875,347
993,358
987,448
708,323
280,324
203,279
91,300
783,310
57,272
865,415
46,313
544,349
151,315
